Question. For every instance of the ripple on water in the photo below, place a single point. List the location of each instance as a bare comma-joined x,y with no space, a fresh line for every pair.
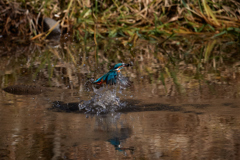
104,100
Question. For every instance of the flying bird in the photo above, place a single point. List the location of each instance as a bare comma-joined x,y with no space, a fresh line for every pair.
114,76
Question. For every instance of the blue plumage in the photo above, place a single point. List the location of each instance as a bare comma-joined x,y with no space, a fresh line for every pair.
109,78
112,76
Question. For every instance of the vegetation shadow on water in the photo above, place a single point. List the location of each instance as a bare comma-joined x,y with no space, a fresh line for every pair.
184,94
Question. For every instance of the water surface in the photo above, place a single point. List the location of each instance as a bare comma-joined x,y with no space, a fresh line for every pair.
183,103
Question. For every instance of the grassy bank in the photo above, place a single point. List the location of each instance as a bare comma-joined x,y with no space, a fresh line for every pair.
129,20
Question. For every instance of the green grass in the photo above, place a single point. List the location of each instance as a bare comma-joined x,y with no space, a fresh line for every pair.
125,19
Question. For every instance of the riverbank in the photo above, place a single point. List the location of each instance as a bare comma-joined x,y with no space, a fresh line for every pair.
129,20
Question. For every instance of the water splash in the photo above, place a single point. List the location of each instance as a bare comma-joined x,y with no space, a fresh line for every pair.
105,100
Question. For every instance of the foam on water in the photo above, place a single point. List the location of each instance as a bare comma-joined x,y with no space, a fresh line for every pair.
104,100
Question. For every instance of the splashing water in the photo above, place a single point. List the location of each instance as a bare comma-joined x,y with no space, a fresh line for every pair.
104,100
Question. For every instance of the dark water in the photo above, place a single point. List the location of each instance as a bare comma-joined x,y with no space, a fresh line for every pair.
183,104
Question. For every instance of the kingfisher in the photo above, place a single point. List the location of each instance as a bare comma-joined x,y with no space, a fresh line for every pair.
114,76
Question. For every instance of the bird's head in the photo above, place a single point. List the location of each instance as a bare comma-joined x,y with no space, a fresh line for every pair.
119,66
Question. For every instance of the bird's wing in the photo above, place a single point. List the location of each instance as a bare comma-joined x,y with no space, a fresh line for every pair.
109,78
101,79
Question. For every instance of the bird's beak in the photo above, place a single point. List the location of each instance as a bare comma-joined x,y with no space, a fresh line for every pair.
126,65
